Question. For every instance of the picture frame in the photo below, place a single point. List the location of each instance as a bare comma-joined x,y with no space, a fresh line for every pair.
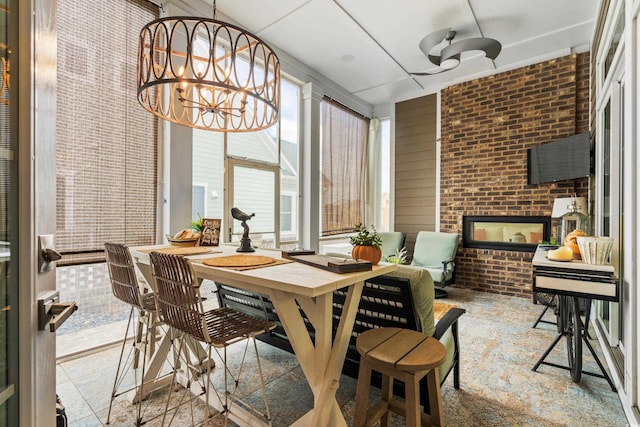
210,234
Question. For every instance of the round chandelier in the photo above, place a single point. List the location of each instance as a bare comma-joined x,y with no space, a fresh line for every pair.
207,74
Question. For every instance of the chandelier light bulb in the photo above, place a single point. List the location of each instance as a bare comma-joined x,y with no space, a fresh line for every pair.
200,71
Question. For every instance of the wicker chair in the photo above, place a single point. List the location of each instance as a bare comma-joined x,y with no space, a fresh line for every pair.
142,323
180,306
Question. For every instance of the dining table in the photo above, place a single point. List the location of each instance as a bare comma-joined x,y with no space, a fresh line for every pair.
292,286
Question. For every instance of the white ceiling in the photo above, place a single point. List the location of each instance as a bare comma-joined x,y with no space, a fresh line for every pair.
369,47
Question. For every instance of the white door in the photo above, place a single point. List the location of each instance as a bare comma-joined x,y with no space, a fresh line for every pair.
254,189
33,88
609,202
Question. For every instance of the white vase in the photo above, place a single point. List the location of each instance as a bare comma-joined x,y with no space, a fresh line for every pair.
595,250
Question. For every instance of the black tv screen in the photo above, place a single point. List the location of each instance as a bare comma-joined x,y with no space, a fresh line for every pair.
567,158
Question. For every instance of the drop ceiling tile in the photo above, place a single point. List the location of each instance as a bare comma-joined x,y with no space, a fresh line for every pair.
326,39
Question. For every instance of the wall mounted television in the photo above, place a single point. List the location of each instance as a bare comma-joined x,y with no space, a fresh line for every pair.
567,158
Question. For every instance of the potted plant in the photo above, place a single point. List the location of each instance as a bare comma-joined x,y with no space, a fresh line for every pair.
196,225
400,257
366,244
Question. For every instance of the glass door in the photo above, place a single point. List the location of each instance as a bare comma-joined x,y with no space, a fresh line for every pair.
254,190
8,236
609,203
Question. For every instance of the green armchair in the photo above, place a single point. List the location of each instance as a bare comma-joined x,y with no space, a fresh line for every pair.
392,241
436,253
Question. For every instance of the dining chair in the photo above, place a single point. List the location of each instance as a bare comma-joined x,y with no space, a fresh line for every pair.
180,306
142,325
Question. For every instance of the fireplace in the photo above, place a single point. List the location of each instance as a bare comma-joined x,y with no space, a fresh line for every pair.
510,233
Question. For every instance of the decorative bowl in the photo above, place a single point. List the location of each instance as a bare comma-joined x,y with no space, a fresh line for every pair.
173,241
595,250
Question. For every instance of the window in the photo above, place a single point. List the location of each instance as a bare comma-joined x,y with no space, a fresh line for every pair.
385,176
287,216
343,168
253,151
198,201
105,143
207,174
253,190
613,178
615,41
106,152
289,155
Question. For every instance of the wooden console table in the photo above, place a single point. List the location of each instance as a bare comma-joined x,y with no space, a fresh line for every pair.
571,281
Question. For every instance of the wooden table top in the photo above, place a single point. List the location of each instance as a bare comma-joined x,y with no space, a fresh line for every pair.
540,260
291,277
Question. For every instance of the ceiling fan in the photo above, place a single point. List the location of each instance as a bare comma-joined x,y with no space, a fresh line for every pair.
449,57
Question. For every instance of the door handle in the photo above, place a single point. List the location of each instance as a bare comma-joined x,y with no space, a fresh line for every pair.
61,312
52,312
47,254
51,255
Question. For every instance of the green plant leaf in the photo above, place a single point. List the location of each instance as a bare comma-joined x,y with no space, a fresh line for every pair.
366,237
197,224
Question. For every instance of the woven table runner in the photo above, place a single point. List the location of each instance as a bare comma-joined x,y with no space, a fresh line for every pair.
243,262
177,250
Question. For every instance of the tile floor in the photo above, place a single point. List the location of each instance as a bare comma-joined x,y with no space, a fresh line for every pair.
498,388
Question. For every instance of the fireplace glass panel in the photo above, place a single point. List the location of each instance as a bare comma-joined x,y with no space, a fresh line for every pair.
506,232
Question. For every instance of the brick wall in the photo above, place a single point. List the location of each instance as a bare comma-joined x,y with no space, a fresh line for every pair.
487,126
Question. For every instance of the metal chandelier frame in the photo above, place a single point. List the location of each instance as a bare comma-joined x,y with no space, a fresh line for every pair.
207,74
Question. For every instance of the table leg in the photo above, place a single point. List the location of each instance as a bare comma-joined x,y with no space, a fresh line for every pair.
362,393
323,362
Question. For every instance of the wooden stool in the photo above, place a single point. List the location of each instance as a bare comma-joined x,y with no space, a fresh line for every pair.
408,356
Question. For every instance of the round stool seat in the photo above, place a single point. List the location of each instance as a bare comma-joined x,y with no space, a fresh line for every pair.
402,349
406,356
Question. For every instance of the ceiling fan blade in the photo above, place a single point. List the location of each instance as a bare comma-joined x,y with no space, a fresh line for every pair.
490,47
431,40
425,73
